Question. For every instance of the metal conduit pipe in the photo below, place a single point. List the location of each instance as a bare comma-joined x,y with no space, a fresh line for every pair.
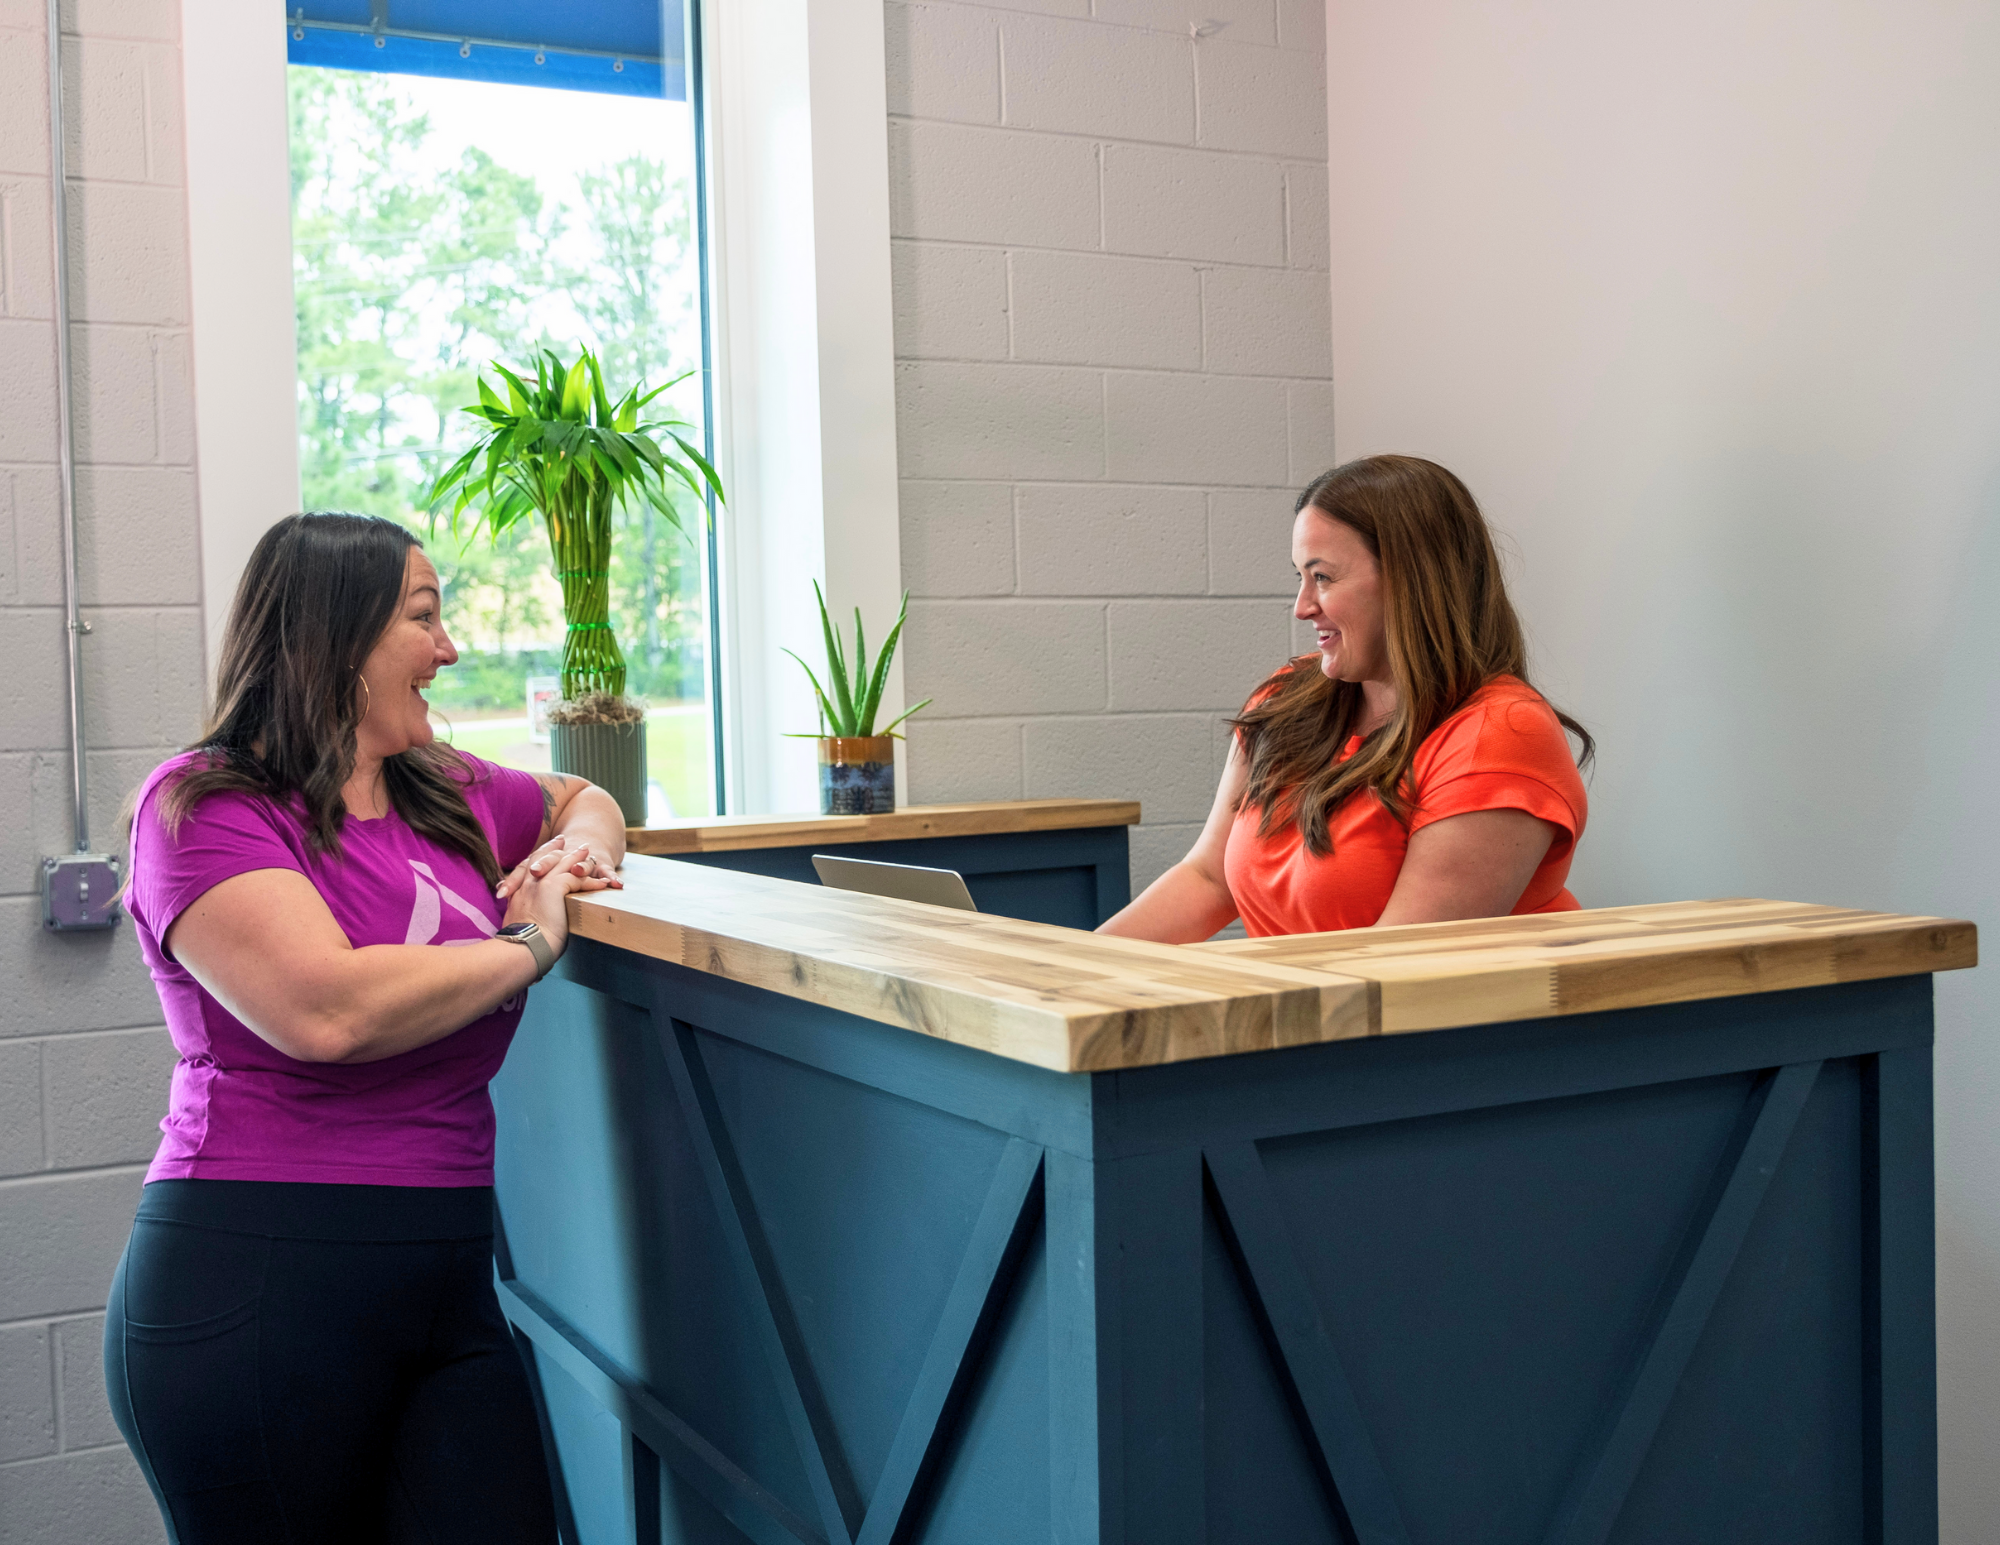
79,889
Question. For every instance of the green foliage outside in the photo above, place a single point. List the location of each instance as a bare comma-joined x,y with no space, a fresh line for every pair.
410,279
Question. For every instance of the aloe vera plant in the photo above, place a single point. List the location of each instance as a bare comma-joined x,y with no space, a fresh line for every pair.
560,448
849,709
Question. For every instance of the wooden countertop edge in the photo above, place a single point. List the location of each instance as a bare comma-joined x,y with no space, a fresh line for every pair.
1076,1002
735,833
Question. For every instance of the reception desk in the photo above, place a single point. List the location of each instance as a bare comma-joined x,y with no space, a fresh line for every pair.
833,1218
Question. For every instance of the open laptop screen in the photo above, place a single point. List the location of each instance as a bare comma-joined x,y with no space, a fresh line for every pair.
905,882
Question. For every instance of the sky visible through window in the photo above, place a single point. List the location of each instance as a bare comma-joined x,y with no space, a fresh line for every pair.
438,225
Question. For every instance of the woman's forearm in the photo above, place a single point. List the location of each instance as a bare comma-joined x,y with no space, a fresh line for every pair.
1184,906
391,998
592,815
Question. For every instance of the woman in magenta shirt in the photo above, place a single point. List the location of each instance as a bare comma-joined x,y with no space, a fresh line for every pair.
343,918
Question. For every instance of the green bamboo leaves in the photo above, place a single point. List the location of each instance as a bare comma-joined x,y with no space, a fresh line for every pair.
857,692
559,447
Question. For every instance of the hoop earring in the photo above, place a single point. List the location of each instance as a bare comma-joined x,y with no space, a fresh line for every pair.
368,697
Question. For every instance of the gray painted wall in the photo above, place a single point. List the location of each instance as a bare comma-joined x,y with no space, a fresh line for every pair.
83,1060
1113,370
1701,301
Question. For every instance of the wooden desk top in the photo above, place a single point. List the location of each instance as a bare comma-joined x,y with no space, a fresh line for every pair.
727,833
1082,1002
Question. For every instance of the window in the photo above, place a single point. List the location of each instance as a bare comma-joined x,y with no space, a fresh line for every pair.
460,197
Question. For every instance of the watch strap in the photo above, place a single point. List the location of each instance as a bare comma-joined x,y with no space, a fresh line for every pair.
532,936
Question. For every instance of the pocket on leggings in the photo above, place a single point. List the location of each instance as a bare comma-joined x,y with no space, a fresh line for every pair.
190,1315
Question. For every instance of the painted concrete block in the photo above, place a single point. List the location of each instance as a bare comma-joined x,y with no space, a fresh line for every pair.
997,421
1042,7
1268,100
1190,204
67,981
173,375
137,536
33,716
1250,541
1194,429
104,110
27,1394
1309,421
943,62
97,1496
38,784
21,1150
957,538
106,1095
117,395
128,254
964,759
1075,77
27,265
64,1235
142,678
1194,654
83,1413
1302,24
951,182
985,659
1242,21
1083,309
1308,231
950,302
158,20
1111,539
1156,849
31,505
138,543
27,391
1161,760
24,101
1267,321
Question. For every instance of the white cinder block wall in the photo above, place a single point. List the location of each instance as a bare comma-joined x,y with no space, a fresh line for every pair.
1113,368
83,1060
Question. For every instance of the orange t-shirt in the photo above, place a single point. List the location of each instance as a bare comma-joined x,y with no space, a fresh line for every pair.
1503,750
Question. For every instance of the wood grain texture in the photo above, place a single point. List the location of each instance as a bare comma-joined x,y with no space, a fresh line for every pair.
1055,997
1434,976
1082,1002
732,833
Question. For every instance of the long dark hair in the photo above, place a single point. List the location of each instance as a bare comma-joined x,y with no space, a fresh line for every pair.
1451,630
318,592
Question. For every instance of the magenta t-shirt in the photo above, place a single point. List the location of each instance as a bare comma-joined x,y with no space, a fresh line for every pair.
240,1109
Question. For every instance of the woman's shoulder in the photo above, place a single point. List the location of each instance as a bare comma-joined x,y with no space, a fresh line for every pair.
208,806
1505,720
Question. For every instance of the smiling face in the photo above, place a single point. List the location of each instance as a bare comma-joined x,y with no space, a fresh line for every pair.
1341,595
411,650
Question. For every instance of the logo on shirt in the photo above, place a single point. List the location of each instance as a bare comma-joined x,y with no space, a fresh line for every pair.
427,917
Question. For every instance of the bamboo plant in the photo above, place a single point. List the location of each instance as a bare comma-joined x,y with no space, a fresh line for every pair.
849,709
559,447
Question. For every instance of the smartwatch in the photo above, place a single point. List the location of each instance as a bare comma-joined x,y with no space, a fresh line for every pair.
531,935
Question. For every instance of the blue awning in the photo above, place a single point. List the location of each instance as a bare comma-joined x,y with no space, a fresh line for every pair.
629,47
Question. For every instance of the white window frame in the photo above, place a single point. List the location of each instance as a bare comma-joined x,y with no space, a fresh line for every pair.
797,140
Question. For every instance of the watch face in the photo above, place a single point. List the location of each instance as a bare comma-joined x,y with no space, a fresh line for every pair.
517,930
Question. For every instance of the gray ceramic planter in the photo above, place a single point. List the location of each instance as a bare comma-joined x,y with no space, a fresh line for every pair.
612,756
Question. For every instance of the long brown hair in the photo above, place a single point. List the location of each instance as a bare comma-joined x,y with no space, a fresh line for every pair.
317,594
1451,630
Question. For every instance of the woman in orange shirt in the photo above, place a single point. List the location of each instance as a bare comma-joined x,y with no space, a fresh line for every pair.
1408,773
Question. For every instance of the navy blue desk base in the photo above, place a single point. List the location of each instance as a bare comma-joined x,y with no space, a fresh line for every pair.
1662,1275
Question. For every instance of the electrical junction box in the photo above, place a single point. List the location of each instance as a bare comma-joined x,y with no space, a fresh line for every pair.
80,890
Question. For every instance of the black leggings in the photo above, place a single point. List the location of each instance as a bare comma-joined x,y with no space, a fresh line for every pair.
295,1364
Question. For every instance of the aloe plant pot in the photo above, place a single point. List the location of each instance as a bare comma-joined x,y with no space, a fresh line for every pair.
612,756
857,774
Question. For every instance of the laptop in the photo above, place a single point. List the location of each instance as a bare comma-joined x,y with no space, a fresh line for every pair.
904,882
